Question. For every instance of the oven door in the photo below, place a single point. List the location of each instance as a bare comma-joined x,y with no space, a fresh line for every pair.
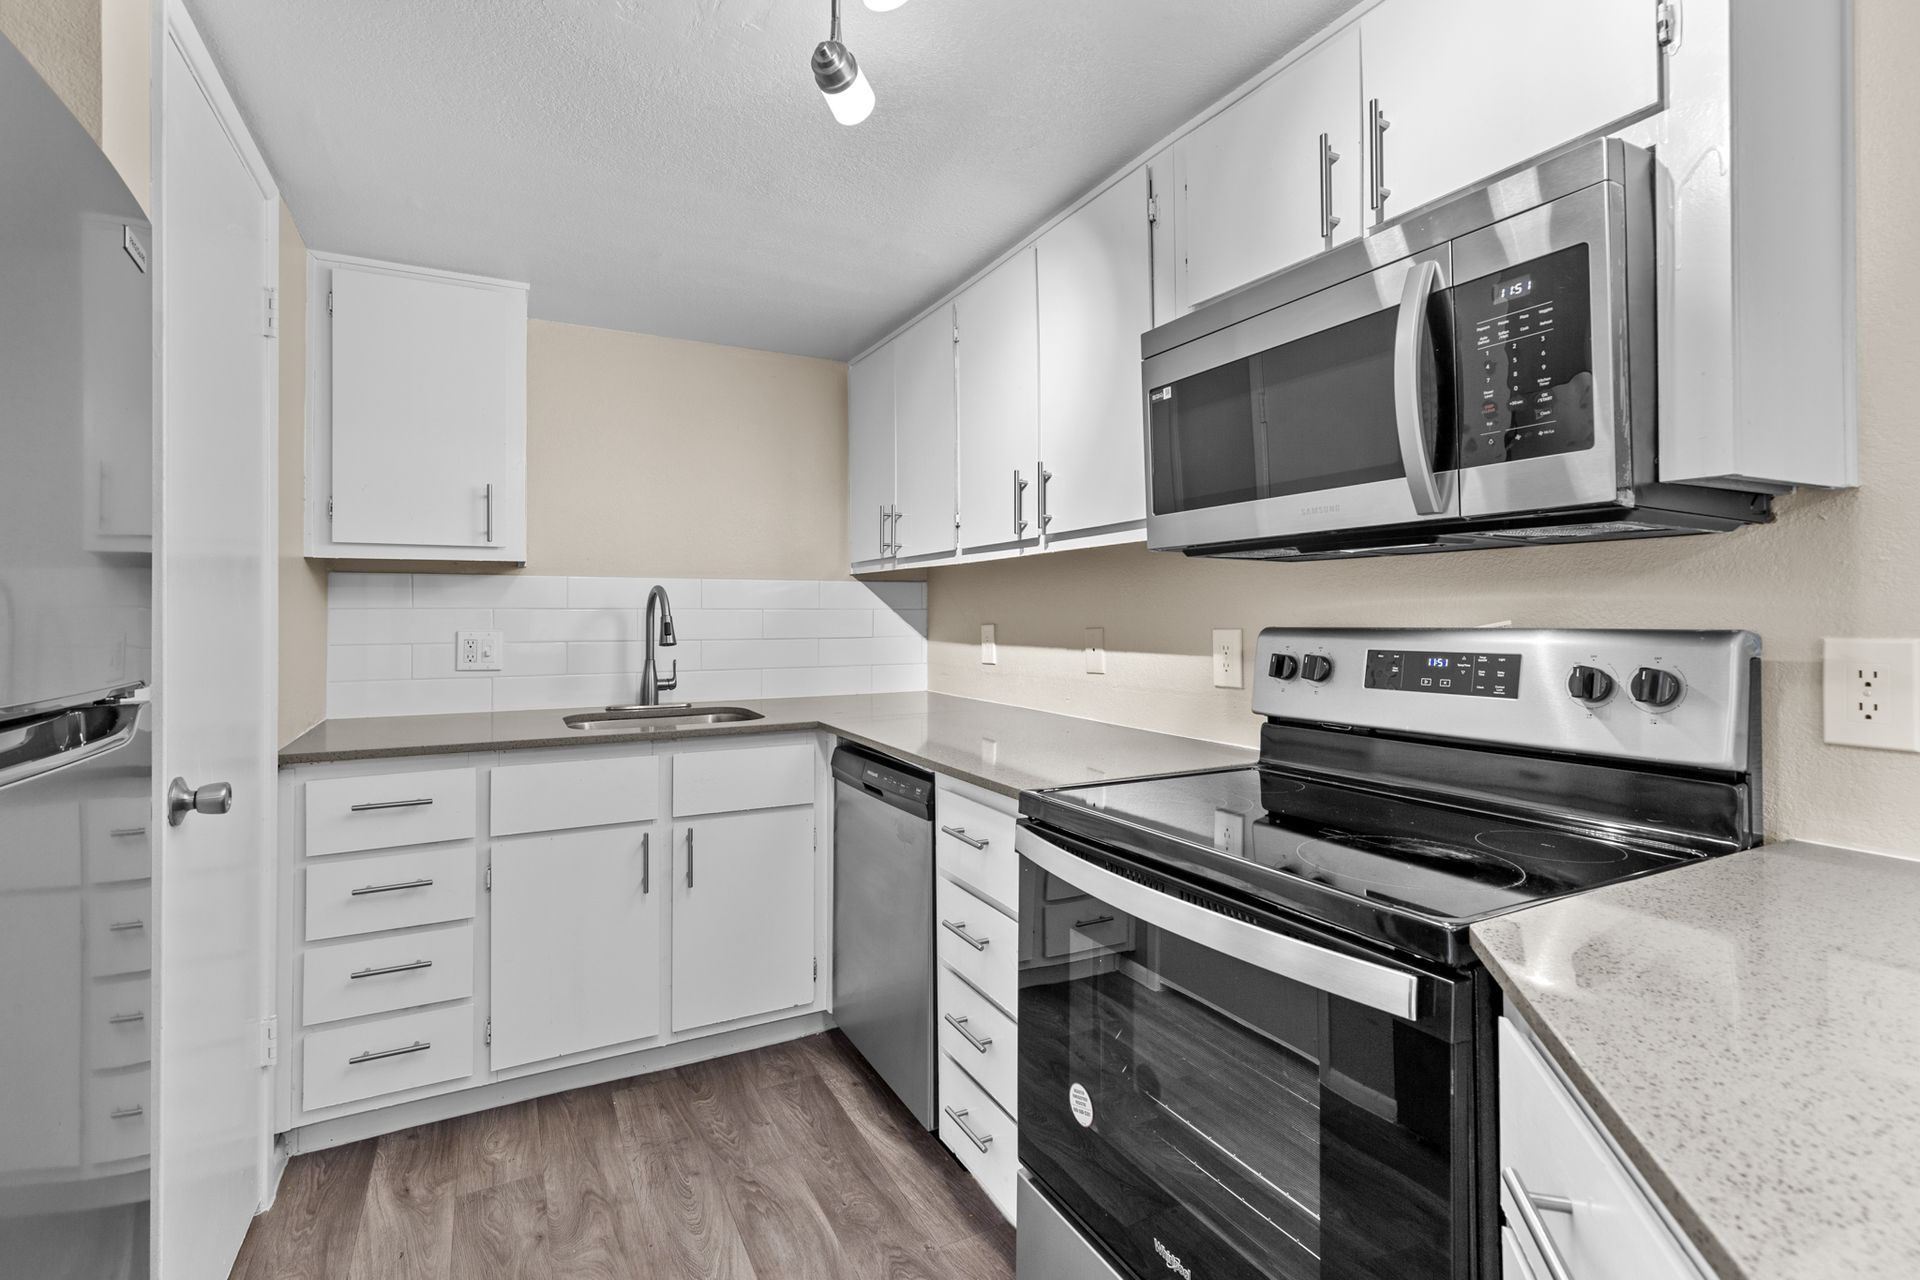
1204,1095
1334,411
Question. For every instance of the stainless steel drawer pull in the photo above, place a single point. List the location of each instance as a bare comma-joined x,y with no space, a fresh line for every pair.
960,834
1529,1206
122,833
418,1046
126,926
365,889
382,970
959,1119
376,805
960,1024
959,930
120,1019
127,1113
689,857
646,862
1091,921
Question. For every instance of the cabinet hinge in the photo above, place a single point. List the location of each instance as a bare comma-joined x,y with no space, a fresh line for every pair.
270,322
329,508
1153,209
329,302
270,1037
816,968
1666,24
489,1030
489,877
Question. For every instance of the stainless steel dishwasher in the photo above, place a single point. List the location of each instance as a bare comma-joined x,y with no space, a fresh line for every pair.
883,921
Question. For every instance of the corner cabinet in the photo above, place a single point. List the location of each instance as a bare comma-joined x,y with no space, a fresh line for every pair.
416,414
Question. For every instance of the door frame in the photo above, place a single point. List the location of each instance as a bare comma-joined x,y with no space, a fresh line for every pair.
173,25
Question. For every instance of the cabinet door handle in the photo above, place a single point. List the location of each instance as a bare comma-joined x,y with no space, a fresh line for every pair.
365,889
1328,218
958,928
1019,504
122,833
1091,921
1529,1206
959,1119
121,1019
127,1113
1378,126
373,806
126,926
380,971
978,1042
885,545
646,863
489,513
418,1046
689,857
960,834
893,538
1045,519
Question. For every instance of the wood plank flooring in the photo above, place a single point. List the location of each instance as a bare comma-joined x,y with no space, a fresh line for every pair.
786,1163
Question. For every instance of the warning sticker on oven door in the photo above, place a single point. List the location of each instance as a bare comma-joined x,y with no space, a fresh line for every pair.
1082,1104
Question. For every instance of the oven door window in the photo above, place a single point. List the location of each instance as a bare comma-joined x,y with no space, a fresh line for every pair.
1200,1114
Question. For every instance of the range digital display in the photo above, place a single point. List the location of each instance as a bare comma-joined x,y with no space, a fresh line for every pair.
1473,675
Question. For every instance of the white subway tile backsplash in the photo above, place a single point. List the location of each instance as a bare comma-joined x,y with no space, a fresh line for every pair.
819,622
753,593
579,642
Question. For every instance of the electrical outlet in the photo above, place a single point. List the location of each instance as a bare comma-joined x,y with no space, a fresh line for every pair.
1872,693
478,650
1096,651
989,650
1226,660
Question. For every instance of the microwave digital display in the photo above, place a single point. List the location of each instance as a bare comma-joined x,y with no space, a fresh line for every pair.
1511,290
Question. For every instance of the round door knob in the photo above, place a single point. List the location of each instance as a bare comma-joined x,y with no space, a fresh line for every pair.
1283,666
1653,687
213,798
1590,685
1317,667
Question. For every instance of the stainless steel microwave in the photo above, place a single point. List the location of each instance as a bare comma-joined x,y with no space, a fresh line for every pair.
1481,374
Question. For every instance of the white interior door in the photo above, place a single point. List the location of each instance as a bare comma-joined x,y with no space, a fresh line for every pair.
214,603
998,399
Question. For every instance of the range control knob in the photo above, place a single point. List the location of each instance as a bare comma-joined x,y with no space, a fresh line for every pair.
1590,685
1653,687
1317,667
1283,666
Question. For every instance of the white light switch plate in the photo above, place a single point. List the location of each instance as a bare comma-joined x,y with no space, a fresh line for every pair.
479,650
989,649
1226,660
1096,651
1872,693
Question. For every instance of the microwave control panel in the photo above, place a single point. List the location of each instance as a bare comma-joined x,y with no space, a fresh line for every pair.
1525,360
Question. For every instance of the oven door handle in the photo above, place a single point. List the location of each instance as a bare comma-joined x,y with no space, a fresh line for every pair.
1430,491
1378,986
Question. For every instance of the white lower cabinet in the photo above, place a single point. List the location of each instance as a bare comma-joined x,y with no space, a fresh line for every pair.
975,1128
576,943
743,940
386,1055
1582,1205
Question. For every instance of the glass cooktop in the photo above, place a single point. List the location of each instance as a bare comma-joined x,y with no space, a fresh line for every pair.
1405,872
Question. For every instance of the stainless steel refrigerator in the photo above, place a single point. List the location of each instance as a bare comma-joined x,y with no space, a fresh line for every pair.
76,830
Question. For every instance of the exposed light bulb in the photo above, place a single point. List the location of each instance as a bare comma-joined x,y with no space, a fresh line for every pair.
884,6
854,103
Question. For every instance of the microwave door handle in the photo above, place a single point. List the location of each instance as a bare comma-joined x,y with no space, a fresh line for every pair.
1391,991
1416,453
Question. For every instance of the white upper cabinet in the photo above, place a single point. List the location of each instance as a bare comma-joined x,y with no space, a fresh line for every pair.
417,387
1276,177
999,405
1470,88
924,465
870,457
1096,299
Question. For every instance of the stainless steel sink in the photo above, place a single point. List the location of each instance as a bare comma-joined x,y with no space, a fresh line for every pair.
658,719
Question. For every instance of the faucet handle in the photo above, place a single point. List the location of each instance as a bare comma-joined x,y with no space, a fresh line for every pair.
671,680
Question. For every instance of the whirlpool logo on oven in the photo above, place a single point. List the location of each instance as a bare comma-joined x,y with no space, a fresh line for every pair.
1172,1260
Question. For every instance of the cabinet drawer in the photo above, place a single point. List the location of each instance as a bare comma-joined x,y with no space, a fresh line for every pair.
117,840
346,1064
974,844
345,814
982,1039
988,961
117,1115
119,936
378,975
120,1024
41,842
1084,925
573,793
1614,1231
395,891
744,778
980,1133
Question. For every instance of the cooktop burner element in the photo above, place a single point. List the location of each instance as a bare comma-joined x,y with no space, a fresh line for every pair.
1394,862
1549,846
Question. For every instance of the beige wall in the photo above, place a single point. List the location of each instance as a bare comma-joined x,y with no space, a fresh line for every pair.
303,582
61,38
1845,564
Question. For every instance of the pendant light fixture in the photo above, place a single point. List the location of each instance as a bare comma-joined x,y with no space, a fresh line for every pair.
884,6
840,78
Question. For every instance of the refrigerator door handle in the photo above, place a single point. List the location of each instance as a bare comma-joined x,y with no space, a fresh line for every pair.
64,738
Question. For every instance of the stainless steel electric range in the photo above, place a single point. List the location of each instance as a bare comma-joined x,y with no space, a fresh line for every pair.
1254,1040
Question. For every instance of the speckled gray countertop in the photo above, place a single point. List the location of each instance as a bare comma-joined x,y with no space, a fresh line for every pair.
1748,1029
1002,748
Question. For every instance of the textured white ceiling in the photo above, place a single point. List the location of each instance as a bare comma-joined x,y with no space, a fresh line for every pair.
667,166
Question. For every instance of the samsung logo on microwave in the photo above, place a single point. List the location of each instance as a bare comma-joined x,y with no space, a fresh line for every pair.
1172,1260
1324,509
